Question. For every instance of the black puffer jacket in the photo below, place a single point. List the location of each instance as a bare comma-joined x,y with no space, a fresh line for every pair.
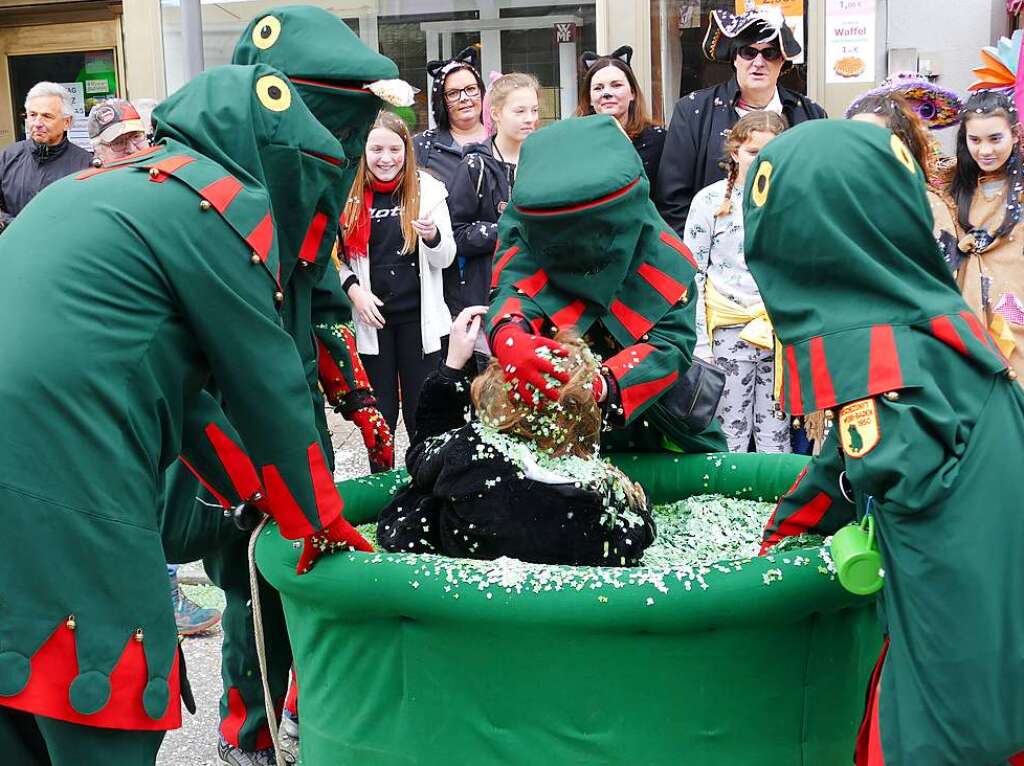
693,147
477,195
438,153
469,500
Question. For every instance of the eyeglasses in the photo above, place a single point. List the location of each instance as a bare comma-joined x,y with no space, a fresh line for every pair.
749,53
454,96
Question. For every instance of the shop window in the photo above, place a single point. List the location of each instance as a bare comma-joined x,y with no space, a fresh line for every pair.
91,76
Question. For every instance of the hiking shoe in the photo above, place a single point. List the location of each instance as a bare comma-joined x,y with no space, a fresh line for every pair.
235,756
188,615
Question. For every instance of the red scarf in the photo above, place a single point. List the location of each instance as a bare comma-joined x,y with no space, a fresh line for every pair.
357,241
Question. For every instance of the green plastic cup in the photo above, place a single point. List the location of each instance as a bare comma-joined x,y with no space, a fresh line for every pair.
856,557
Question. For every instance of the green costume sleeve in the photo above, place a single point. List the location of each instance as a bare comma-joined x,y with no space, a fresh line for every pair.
212,450
905,451
342,376
815,504
232,314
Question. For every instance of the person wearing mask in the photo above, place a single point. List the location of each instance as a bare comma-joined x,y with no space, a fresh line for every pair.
456,102
397,238
482,186
760,47
986,191
610,87
116,131
27,167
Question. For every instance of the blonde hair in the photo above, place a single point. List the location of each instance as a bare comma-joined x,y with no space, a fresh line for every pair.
408,186
747,125
504,85
569,426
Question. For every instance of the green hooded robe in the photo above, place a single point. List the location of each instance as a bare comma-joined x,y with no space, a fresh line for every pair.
106,340
928,426
581,245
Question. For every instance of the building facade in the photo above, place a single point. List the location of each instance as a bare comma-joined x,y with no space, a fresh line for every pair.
138,48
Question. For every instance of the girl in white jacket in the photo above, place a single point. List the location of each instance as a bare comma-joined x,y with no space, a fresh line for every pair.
397,237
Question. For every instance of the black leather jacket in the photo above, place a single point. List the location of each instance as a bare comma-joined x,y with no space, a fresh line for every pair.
693,147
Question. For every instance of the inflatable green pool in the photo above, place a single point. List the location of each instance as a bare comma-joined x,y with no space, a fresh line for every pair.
430,661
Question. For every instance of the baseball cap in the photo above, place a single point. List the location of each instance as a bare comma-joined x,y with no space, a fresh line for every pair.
113,118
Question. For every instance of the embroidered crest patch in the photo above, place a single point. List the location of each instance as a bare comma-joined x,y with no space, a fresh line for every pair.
858,428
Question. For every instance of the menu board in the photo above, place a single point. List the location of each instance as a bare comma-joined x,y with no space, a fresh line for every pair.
850,41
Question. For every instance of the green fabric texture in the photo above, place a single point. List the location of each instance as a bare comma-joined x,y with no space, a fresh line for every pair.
133,325
330,66
408,659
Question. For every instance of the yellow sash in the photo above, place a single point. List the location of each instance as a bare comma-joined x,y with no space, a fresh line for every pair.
757,330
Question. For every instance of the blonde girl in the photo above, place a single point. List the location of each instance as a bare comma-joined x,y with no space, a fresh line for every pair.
732,327
397,238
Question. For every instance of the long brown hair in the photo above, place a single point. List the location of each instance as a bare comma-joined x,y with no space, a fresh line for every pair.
408,187
902,120
638,119
752,122
570,426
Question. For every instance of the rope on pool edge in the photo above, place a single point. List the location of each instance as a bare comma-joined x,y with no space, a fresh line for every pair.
261,649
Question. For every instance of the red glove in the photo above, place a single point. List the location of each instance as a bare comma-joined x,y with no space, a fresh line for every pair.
525,369
376,436
339,535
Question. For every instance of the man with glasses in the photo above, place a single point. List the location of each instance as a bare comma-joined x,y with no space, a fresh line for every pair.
116,130
760,47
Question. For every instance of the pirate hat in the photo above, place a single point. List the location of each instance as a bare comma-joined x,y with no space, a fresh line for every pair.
727,32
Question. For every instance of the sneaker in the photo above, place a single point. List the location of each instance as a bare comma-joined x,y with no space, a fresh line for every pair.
188,615
289,725
235,756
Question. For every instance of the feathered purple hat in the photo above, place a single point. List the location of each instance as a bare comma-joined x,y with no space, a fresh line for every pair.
938,107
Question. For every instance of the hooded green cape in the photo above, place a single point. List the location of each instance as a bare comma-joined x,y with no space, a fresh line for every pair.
105,342
838,237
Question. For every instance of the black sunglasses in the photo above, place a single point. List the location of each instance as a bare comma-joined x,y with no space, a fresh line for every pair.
749,53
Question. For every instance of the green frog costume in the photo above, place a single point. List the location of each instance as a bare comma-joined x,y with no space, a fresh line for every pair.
581,245
927,435
105,347
333,72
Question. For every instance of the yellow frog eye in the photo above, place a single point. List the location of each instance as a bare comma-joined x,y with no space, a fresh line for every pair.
266,32
274,93
903,154
762,183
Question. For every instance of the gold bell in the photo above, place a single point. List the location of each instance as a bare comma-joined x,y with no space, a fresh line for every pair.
138,635
255,258
71,622
303,264
797,422
1011,374
205,205
154,172
278,297
892,396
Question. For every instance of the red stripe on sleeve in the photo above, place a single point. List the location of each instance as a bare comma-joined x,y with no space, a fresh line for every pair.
634,396
328,501
170,164
944,329
262,237
224,502
501,264
668,288
282,505
568,316
222,192
534,283
824,393
313,239
636,324
677,245
237,465
510,309
884,366
627,359
807,517
793,382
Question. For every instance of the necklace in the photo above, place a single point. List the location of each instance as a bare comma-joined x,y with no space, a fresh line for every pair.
510,167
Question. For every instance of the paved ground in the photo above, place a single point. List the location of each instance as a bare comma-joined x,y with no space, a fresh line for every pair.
195,743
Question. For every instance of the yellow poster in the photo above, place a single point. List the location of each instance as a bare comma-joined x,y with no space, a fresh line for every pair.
858,427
